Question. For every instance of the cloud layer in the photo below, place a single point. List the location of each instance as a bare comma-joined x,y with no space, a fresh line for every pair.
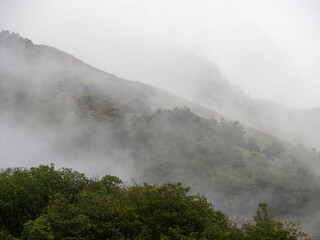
268,48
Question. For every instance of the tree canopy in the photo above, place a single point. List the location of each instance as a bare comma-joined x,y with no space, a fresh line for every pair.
45,203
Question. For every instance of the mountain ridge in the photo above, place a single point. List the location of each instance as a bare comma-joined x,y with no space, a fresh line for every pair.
26,47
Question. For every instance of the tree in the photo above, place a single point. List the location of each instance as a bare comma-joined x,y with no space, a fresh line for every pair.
38,229
265,227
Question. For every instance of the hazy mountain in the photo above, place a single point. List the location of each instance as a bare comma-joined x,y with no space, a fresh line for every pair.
55,108
214,91
201,81
45,72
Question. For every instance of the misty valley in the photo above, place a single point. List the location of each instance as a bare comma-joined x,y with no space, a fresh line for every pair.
155,165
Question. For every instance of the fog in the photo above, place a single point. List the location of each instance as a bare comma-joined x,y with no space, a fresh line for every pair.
222,55
268,48
39,124
50,107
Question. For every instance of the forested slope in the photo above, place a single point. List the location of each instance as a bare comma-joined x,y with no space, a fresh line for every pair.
216,158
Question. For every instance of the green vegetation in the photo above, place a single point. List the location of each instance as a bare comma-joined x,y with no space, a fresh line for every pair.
217,159
43,203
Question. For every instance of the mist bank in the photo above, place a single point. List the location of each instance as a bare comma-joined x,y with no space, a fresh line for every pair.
201,81
48,102
183,73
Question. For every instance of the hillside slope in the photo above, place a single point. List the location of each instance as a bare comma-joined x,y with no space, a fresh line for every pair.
298,126
45,72
201,81
58,109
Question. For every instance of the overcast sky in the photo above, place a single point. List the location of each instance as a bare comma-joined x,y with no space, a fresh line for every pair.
270,48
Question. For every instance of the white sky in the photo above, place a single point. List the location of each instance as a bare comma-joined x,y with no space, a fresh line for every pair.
270,48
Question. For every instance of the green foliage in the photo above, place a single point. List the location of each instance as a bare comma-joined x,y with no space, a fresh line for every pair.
265,227
24,194
38,229
4,234
109,209
216,158
66,219
168,210
262,214
213,157
93,106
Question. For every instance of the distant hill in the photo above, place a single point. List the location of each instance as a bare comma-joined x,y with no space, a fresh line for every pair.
55,108
201,81
211,89
43,72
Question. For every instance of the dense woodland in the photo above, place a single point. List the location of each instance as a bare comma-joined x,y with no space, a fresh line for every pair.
44,203
217,158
